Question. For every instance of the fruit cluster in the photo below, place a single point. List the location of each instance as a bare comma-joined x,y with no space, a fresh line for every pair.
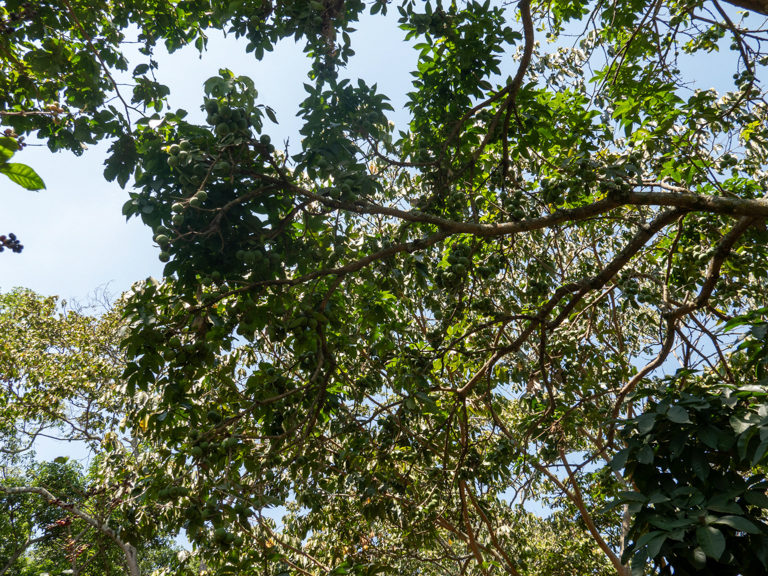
226,120
10,242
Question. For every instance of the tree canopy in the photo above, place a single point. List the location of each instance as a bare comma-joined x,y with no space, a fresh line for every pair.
547,288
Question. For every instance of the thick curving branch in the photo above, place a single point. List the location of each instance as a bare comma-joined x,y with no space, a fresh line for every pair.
759,6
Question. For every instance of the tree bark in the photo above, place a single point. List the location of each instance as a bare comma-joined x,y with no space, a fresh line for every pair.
759,6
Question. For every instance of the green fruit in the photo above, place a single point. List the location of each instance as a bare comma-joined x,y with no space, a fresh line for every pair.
178,219
195,202
173,161
220,533
265,139
177,207
162,239
211,106
174,150
222,129
202,195
185,145
164,256
214,416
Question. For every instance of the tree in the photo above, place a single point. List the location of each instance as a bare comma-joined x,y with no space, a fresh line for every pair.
59,370
51,524
405,336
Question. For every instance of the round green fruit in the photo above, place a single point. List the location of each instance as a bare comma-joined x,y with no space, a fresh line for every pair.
174,150
195,202
178,219
177,207
202,195
265,139
164,256
162,239
222,129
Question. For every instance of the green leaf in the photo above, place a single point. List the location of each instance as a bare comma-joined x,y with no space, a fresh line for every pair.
711,541
699,559
619,460
738,523
756,498
655,545
678,414
645,455
645,422
739,426
8,147
22,175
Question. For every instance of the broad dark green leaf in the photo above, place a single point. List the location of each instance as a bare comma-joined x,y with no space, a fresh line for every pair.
711,540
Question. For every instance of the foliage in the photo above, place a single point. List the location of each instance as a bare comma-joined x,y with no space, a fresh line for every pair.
697,461
59,369
38,537
76,398
21,174
402,336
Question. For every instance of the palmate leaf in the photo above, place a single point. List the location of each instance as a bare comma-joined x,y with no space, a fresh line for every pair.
22,175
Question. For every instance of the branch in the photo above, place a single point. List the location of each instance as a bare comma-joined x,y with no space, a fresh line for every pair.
101,62
759,6
128,550
15,556
722,250
578,501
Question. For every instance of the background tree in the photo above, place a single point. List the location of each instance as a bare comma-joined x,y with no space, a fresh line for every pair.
59,370
408,335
